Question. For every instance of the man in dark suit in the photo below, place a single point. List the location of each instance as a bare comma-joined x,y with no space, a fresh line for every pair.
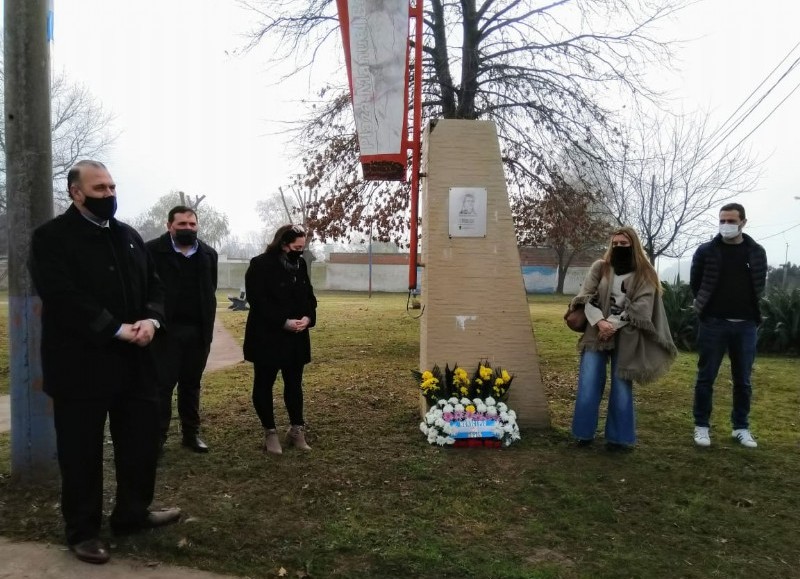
102,303
188,268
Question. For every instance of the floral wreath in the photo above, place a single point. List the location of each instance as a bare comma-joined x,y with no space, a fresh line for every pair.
465,408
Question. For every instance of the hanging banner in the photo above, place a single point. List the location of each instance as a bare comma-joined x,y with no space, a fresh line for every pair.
375,37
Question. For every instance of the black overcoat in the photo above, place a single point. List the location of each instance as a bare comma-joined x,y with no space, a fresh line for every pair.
92,279
275,295
168,268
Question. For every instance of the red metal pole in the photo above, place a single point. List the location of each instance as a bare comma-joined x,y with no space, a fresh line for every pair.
415,11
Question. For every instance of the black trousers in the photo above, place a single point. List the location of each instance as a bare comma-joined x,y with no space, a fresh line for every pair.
182,357
80,426
263,381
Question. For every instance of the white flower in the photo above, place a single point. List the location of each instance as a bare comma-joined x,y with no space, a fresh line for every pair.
509,428
481,407
491,411
423,427
466,401
448,408
437,412
453,401
441,402
502,407
439,423
441,440
459,408
504,416
449,440
448,429
430,418
432,436
477,402
512,415
490,401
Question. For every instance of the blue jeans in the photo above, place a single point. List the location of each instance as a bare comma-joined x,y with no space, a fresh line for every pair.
620,421
714,338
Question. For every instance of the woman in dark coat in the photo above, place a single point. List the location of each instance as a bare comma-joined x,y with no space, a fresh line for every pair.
282,309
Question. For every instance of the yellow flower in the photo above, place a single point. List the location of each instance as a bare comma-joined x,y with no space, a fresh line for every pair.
498,382
479,381
485,372
427,375
470,409
506,376
464,390
430,384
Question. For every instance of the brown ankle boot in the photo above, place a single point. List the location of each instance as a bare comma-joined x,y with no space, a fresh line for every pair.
296,436
272,443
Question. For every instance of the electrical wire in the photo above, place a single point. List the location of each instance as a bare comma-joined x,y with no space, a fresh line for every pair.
721,128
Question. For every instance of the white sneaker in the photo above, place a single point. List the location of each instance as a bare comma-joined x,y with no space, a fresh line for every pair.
744,437
701,436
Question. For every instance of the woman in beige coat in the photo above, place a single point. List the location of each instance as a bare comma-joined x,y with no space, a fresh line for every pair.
627,328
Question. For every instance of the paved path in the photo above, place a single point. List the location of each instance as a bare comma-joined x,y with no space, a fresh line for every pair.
44,561
47,561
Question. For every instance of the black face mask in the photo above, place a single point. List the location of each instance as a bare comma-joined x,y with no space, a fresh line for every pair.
622,259
293,256
103,208
185,237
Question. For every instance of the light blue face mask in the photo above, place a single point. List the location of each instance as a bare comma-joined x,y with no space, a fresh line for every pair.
728,230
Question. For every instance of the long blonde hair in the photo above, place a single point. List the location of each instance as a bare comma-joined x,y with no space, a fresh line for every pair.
641,263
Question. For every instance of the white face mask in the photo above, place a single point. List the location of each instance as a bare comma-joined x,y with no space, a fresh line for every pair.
728,230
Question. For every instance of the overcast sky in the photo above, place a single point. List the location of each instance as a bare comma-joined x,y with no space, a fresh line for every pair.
193,116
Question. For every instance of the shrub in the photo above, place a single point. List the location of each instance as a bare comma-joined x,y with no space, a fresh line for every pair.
680,314
780,330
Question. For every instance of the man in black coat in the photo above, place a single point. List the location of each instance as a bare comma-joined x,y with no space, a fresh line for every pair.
102,303
188,268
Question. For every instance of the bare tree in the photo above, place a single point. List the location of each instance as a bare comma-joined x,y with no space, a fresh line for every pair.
81,129
670,173
537,69
565,216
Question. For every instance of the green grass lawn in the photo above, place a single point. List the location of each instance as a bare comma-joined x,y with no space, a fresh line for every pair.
373,500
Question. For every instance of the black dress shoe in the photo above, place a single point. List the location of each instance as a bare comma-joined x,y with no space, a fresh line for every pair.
194,443
92,551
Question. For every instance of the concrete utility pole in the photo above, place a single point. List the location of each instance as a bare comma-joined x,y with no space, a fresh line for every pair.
29,185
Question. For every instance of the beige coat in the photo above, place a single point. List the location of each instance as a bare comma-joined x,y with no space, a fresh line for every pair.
645,349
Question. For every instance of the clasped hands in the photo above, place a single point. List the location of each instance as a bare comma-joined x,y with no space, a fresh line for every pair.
605,330
139,333
296,326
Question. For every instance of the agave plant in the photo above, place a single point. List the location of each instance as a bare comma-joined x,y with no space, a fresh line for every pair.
780,330
680,314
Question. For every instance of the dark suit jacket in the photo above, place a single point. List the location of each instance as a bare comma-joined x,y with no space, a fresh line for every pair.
91,280
168,268
276,295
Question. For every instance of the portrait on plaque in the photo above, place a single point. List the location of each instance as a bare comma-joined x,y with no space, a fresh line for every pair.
467,212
